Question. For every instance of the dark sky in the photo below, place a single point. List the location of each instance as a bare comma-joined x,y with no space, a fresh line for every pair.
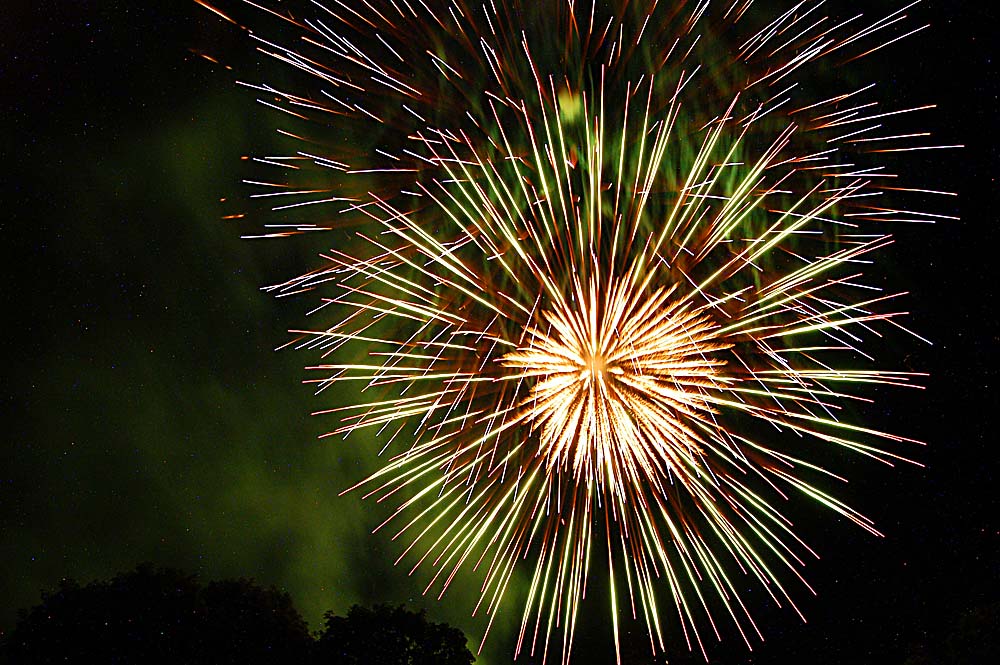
148,419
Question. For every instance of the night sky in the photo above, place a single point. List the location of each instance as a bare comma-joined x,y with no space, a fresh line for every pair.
148,418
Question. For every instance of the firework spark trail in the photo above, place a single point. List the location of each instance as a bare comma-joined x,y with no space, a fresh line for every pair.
583,265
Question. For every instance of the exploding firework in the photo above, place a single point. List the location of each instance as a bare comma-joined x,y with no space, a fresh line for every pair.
592,251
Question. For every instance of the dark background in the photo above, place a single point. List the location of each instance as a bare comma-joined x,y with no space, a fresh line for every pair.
147,419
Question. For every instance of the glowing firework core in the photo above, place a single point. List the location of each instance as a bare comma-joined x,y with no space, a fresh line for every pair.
616,375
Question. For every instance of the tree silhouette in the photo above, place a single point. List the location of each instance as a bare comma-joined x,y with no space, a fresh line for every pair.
159,616
162,616
387,635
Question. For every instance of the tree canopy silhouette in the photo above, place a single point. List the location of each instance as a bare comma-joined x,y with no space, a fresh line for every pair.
387,635
160,615
157,616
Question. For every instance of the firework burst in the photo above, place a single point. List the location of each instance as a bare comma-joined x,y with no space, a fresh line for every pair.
591,249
